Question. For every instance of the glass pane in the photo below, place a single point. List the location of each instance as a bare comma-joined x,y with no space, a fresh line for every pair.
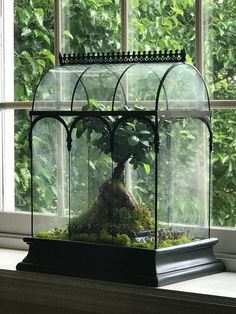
156,25
90,26
224,168
140,83
184,89
50,174
90,174
33,44
219,48
55,90
133,190
184,178
22,161
96,88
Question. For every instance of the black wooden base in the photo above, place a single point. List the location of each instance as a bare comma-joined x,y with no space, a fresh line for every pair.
130,265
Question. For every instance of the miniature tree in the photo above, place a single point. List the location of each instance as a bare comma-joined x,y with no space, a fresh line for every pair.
115,209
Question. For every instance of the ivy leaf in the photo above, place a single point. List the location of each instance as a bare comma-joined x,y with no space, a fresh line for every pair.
147,168
24,17
27,56
47,53
91,164
42,35
26,32
19,91
145,143
41,62
39,14
178,11
167,22
80,128
145,132
68,34
133,140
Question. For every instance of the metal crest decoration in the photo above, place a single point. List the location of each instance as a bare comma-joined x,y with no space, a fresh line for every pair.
123,57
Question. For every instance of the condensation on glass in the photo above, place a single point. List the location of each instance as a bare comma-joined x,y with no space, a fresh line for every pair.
120,154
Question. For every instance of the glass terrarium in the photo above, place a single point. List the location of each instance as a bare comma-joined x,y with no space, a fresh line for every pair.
120,148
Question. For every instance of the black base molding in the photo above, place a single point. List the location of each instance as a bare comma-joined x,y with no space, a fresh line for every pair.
130,265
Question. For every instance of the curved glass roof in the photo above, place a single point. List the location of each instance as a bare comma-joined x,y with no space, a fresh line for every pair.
122,86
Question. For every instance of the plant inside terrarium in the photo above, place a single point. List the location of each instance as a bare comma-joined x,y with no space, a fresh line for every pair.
115,216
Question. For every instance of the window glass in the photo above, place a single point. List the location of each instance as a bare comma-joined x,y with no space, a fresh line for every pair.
90,26
22,161
219,48
155,25
224,168
33,50
33,44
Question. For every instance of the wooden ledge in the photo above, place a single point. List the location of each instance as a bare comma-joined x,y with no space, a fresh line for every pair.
76,295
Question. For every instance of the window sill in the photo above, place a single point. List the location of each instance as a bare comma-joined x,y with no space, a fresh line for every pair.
209,294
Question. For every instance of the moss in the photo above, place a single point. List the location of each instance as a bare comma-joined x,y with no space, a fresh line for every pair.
55,233
84,237
122,240
124,229
135,220
122,221
105,237
48,235
171,242
144,244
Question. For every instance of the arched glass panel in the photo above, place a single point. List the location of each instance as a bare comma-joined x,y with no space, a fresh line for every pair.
133,190
90,169
184,178
184,89
98,82
49,176
140,85
56,87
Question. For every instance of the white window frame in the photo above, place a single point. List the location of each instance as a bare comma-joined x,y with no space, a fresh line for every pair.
14,224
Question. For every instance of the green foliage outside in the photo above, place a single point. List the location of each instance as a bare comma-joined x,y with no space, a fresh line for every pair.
224,168
90,25
158,25
34,45
153,25
219,55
